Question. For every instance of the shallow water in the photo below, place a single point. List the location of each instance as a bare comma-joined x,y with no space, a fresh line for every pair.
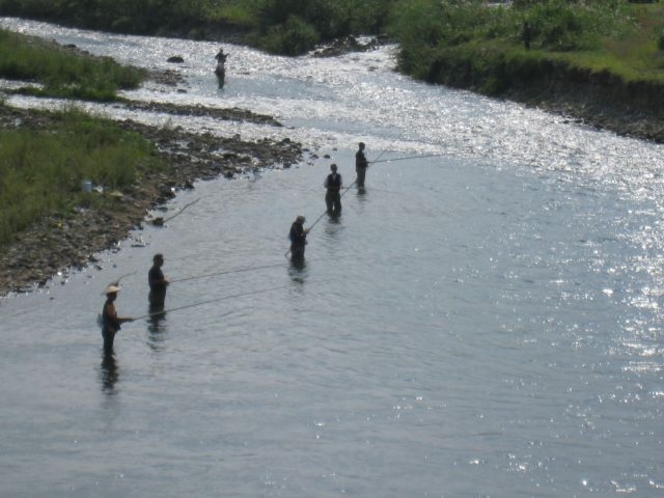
482,321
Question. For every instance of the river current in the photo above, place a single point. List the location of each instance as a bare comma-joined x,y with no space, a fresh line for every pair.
483,320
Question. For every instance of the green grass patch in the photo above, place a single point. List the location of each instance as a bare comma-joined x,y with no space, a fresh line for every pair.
471,45
41,172
63,73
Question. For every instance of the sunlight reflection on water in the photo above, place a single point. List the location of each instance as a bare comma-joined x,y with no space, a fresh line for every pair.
484,318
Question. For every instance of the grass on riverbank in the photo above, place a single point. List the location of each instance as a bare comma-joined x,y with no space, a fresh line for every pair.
474,46
62,73
622,38
41,171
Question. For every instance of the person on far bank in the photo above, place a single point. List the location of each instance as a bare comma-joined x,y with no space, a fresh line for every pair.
527,34
298,238
158,283
361,164
333,184
110,321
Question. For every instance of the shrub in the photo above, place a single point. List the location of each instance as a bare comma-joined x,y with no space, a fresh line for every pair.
294,37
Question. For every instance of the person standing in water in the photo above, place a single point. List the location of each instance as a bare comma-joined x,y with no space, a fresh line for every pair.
333,184
158,283
361,164
220,70
298,238
221,56
110,321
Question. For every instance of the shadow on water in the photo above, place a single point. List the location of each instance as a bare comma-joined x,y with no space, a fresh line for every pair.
156,327
334,217
108,373
298,270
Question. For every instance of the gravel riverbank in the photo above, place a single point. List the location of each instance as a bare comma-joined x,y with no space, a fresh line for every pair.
46,253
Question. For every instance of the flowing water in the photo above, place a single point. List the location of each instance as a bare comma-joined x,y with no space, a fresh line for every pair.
483,320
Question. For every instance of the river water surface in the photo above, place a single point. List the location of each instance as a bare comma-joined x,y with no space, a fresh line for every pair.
483,319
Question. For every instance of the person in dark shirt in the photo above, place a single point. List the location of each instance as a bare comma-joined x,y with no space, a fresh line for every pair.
221,56
158,283
298,238
333,184
110,321
220,70
361,164
527,34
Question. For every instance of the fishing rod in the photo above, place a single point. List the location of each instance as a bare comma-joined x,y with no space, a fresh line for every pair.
160,221
406,158
117,282
226,272
216,300
377,160
349,187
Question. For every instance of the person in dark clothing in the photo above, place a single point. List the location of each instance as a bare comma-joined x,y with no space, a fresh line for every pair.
220,70
333,184
527,34
298,238
221,56
158,283
361,164
109,318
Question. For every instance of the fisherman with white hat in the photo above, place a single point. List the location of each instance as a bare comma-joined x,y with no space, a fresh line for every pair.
298,238
109,318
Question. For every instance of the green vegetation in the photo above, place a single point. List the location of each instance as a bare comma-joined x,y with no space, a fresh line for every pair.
41,171
467,44
63,73
289,27
435,36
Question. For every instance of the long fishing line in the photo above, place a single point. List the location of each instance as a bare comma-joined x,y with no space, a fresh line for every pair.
350,186
216,300
406,158
116,282
355,181
159,221
226,272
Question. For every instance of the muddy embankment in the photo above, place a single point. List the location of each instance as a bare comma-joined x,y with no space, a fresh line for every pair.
598,99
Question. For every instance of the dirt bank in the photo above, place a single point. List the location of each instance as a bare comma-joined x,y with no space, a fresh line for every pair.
46,253
597,99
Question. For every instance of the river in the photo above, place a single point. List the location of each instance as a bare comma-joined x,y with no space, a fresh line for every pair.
483,320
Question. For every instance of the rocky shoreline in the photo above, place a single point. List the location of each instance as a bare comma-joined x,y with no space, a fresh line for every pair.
50,250
582,105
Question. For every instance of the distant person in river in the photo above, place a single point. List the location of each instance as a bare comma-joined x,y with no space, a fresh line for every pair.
158,284
221,56
361,164
220,70
298,238
110,321
333,184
